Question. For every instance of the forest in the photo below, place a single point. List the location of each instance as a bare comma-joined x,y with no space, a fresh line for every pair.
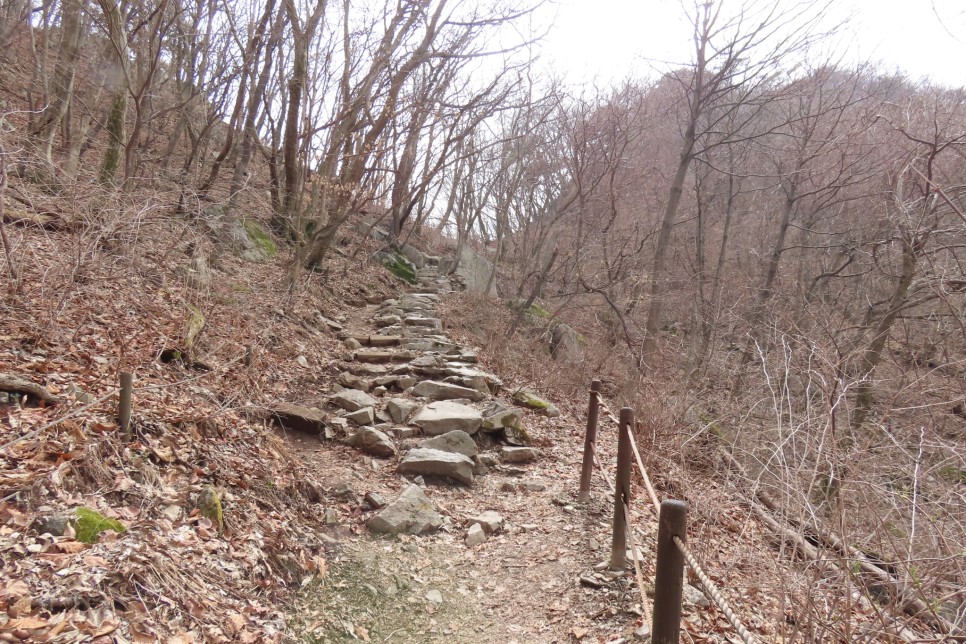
760,249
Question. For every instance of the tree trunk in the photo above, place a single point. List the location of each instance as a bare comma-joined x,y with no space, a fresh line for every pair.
63,86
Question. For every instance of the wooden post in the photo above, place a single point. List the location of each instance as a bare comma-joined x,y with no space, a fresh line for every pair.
622,494
590,442
125,404
669,579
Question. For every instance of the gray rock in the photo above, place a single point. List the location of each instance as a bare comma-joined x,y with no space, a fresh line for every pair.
400,409
331,516
490,521
375,500
533,486
433,462
386,320
441,417
565,344
379,391
405,432
435,390
475,535
352,381
515,436
363,416
353,399
473,270
518,454
411,513
372,441
297,417
416,256
488,459
352,344
498,414
54,526
405,382
456,441
694,597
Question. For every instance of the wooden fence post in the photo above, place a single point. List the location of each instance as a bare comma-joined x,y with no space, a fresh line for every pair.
669,579
622,493
590,443
125,404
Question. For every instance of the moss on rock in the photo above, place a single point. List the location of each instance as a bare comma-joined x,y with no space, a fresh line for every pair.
209,506
259,237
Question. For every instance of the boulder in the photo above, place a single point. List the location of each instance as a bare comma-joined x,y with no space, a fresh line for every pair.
400,408
372,441
352,381
434,462
565,344
441,417
456,441
416,256
353,400
411,513
473,270
435,390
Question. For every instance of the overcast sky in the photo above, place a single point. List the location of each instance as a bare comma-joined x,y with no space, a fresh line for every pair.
605,40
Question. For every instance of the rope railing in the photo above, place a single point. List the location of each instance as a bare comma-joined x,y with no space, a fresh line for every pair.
672,550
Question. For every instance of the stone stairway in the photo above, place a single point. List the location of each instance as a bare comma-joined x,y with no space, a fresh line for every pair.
408,392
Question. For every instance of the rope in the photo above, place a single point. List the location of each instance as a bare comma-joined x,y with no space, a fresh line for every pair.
630,534
714,592
706,582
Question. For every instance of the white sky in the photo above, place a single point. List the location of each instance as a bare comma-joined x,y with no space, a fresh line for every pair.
605,40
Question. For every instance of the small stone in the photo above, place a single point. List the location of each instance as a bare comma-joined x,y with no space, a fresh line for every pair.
533,486
489,521
434,597
489,459
406,382
352,381
475,535
352,344
591,582
379,392
694,597
507,486
643,633
518,454
55,526
331,516
411,513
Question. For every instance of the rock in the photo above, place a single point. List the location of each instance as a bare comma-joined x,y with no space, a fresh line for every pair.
386,320
475,535
488,459
209,506
434,597
54,526
374,357
331,516
533,486
529,399
456,441
373,441
332,324
490,521
435,390
363,416
400,408
405,432
518,454
384,340
352,381
433,462
352,344
353,399
694,597
516,436
375,500
343,490
299,418
243,236
411,513
405,382
339,425
441,417
473,270
565,344
416,256
498,414
379,391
